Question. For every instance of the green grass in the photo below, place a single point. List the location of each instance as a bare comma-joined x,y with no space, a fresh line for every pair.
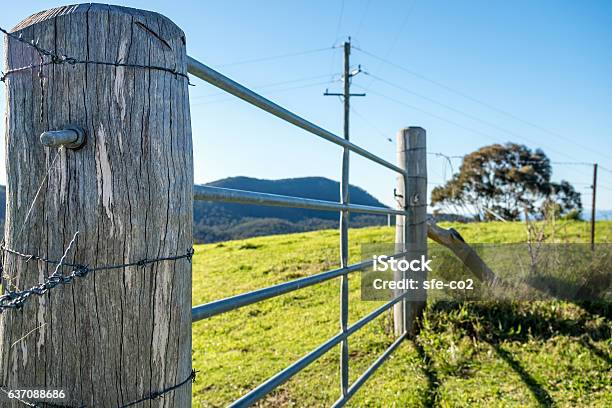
471,354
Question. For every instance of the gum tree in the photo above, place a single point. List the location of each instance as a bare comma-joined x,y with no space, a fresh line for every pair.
506,181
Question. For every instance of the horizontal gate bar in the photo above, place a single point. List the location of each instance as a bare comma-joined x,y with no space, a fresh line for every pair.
235,302
224,305
367,373
209,193
278,379
219,80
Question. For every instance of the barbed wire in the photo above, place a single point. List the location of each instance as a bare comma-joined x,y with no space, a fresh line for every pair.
16,299
160,394
64,59
59,59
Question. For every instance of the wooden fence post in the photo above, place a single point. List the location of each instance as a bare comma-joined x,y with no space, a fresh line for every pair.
114,336
411,230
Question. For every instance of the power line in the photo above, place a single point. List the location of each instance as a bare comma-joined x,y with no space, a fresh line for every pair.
480,102
463,113
271,92
339,20
561,163
605,169
335,44
396,37
556,163
466,128
587,185
372,125
571,163
448,161
446,156
268,85
363,16
390,98
441,118
605,187
275,57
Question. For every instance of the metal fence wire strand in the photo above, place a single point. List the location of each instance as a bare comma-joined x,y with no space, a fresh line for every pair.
54,58
160,394
3,276
16,299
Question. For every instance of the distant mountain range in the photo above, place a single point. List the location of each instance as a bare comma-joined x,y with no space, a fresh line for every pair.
218,221
601,215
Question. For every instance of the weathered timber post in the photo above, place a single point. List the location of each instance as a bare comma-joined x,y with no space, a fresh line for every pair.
593,206
411,230
114,336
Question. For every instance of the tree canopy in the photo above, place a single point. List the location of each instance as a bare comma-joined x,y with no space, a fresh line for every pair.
505,181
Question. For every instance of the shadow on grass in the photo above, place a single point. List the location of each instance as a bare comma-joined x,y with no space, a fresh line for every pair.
497,322
540,394
587,343
432,378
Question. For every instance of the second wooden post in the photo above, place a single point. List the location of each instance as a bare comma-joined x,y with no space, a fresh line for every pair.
411,230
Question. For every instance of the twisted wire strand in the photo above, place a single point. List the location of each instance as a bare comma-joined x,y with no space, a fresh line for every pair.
64,59
16,299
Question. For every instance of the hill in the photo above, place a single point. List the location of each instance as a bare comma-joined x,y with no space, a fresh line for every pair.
217,221
604,215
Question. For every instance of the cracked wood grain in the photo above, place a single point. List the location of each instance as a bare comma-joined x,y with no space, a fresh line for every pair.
112,337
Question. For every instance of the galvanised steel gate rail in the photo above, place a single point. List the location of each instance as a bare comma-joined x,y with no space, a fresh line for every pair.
208,193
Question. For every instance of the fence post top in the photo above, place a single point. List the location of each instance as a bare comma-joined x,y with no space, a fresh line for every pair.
170,28
412,137
408,129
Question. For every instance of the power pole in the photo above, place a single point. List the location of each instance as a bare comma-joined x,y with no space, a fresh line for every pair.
344,215
346,95
593,207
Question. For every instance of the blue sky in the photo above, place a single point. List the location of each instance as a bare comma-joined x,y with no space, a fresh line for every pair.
476,72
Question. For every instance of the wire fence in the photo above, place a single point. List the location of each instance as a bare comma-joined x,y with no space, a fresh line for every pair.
208,193
14,299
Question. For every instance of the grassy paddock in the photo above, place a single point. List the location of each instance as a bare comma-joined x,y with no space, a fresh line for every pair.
483,354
